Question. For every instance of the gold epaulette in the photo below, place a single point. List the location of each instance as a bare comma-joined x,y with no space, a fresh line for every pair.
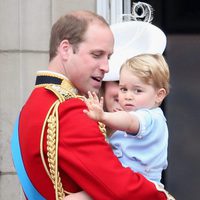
63,91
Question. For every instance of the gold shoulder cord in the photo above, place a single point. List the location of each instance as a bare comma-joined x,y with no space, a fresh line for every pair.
52,123
102,128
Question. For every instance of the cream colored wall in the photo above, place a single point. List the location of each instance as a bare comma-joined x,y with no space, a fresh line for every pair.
24,39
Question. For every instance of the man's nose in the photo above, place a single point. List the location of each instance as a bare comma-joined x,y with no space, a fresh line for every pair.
105,66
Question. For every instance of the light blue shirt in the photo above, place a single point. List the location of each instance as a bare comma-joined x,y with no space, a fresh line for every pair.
145,152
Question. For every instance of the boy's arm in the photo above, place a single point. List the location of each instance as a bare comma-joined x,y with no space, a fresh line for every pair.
120,120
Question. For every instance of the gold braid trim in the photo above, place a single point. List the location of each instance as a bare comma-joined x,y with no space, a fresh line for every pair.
52,152
161,188
52,149
52,124
102,128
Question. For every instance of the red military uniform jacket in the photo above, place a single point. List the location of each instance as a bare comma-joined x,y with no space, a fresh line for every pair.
71,148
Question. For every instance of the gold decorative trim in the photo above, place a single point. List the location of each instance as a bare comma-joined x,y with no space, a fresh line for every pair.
63,92
50,73
102,128
52,151
162,189
65,83
51,121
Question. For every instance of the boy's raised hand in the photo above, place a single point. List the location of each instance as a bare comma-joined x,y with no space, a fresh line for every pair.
95,106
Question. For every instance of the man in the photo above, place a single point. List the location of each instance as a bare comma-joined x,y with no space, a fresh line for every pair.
62,150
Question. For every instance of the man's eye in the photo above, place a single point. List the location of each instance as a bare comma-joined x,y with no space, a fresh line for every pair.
96,55
109,56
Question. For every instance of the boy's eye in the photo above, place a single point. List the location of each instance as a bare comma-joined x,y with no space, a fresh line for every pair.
138,91
123,89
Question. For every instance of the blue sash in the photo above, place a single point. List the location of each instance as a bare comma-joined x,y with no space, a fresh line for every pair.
28,188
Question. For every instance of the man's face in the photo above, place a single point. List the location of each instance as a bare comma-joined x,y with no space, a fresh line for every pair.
86,68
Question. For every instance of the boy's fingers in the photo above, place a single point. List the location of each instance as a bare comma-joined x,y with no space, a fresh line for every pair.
101,102
90,95
95,97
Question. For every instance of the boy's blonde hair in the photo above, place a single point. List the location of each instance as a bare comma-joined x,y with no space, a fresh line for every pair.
151,68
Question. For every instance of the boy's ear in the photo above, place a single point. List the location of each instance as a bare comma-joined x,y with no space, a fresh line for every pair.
161,94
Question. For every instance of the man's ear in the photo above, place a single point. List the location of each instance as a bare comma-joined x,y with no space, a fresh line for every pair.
161,94
64,49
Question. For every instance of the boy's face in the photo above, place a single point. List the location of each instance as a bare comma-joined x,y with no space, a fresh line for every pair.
135,94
